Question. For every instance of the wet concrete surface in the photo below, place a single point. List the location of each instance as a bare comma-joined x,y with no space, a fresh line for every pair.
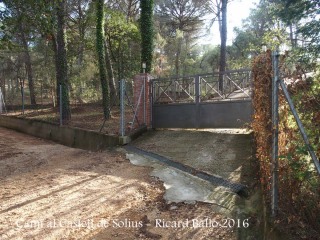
186,188
225,153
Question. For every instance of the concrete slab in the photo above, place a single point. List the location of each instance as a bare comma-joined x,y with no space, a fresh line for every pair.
222,152
183,187
226,153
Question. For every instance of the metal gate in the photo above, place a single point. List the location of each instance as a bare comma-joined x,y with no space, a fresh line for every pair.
202,101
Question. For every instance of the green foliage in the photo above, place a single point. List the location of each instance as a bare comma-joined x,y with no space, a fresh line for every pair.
147,33
298,179
101,58
123,38
61,60
85,84
210,59
119,29
122,35
300,164
160,60
180,23
303,17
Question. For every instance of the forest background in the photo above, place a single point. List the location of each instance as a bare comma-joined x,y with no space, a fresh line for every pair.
87,46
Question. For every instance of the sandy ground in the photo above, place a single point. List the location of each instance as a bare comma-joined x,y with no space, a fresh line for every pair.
49,191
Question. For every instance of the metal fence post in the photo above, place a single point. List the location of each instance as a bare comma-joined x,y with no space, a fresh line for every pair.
197,100
60,103
301,128
275,133
22,93
151,90
122,110
144,99
2,103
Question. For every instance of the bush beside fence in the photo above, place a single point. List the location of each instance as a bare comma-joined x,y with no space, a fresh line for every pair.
299,183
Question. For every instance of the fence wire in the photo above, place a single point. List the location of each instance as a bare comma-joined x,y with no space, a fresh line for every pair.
85,104
295,171
294,176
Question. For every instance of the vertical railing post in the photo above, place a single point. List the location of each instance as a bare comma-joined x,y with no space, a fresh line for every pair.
197,100
22,95
122,110
175,90
151,92
197,89
275,133
144,100
60,103
2,103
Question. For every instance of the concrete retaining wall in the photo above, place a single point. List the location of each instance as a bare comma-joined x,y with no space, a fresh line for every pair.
72,137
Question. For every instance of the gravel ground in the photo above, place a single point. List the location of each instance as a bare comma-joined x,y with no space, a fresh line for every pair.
49,191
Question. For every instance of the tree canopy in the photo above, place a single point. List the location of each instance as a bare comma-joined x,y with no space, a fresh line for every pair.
165,34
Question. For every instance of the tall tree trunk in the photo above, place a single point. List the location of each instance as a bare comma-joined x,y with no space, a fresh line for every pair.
55,96
112,83
218,4
146,28
178,54
61,60
101,58
30,76
2,89
293,39
223,47
27,60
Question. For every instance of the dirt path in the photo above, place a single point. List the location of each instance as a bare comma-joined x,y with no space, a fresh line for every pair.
48,191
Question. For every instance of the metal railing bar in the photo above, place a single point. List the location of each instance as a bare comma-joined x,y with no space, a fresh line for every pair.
184,90
243,90
163,91
212,88
204,75
301,128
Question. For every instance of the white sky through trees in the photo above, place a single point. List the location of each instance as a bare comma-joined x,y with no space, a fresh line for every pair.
238,10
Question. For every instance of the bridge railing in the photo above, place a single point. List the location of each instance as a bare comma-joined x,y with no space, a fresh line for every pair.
236,85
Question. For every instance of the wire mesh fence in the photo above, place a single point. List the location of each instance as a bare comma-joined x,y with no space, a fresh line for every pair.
85,105
287,137
128,108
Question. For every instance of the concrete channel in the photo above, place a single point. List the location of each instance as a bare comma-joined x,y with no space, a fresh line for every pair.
214,166
180,158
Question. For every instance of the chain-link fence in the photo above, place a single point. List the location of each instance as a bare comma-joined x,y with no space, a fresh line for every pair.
287,137
16,94
85,104
133,111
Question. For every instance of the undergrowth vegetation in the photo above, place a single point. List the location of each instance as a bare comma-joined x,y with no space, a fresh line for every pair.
299,183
